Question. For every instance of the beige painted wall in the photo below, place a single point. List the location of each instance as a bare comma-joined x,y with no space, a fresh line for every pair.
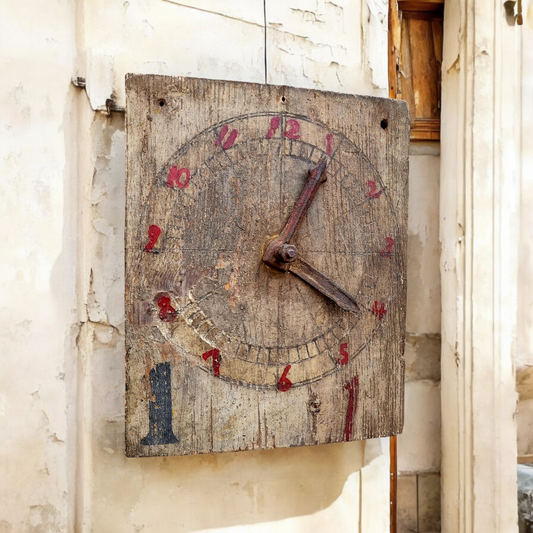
61,299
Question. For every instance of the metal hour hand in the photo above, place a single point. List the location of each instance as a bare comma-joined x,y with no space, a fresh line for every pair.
279,252
322,283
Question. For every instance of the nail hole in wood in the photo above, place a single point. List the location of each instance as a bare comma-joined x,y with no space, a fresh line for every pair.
384,123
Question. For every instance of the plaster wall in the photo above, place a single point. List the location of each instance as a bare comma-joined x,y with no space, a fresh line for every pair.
61,303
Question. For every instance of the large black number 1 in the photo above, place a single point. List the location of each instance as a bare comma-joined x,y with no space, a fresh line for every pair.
160,414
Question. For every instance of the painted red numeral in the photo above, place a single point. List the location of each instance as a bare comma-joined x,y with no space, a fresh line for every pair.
153,234
344,353
329,143
215,354
352,387
167,312
293,129
380,312
387,252
372,193
284,383
174,177
274,125
232,137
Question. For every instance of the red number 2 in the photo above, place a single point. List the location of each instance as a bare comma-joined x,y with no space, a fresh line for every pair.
293,129
372,193
344,353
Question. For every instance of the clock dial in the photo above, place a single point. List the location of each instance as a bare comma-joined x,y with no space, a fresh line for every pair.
214,323
238,194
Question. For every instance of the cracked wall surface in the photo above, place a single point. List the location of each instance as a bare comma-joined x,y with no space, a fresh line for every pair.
62,312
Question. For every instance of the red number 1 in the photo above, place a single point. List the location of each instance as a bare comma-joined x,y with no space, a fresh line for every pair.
329,143
274,125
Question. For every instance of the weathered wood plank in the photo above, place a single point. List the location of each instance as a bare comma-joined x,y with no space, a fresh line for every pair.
223,352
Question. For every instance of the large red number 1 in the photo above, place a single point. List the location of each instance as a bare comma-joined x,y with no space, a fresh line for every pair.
153,234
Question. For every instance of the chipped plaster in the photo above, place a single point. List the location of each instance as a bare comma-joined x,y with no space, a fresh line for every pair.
61,318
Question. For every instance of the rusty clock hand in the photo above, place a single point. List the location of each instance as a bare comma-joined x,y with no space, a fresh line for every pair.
279,252
283,256
322,283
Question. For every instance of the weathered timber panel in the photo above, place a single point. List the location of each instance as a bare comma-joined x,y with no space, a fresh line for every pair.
224,353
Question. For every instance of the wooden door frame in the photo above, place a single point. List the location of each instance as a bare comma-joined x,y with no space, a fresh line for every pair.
479,217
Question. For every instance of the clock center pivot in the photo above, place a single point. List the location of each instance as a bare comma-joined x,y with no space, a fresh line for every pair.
288,253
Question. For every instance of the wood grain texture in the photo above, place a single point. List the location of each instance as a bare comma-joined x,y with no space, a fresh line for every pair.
415,58
224,353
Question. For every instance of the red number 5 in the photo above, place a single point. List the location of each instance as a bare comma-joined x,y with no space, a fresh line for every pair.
344,353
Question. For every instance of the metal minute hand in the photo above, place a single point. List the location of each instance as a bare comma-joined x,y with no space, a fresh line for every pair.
279,252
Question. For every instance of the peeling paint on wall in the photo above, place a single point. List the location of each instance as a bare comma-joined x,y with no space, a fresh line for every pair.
376,33
63,366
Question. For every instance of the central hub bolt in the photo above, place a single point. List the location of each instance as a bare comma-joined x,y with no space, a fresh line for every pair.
288,253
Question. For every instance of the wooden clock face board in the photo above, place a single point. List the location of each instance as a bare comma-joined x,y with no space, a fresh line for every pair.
224,350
